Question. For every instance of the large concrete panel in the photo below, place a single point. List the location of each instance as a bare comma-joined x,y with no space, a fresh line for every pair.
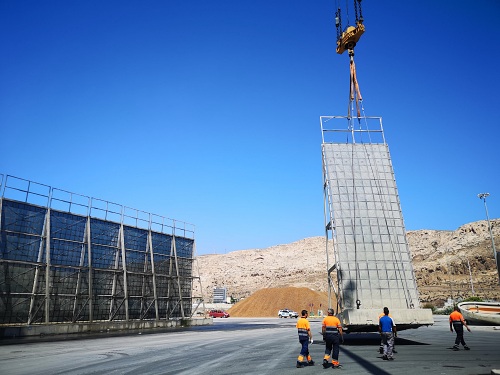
373,255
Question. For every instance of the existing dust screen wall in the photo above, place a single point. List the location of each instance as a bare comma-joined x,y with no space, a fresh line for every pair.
59,266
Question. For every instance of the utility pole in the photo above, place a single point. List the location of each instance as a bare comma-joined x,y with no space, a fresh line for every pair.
470,274
449,276
483,196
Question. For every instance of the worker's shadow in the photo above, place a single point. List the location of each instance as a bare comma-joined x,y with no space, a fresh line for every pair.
360,339
367,339
370,339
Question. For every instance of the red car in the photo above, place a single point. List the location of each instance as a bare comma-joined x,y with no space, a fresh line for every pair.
218,314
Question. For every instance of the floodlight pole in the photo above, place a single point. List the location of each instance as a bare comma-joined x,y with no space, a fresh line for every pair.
483,197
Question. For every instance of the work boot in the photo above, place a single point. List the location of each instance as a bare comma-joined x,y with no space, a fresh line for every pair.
338,365
325,363
300,364
310,363
466,347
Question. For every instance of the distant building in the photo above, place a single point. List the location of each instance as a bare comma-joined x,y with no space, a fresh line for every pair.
220,295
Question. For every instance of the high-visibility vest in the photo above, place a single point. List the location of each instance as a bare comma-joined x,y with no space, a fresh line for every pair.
456,318
332,325
303,329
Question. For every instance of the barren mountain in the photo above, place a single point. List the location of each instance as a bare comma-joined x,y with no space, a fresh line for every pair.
440,261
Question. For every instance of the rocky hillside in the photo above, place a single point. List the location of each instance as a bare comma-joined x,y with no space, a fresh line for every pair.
439,261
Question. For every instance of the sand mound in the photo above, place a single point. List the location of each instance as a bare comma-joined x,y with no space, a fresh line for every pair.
267,302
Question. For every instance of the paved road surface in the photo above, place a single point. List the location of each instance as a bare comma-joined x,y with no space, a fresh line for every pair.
252,346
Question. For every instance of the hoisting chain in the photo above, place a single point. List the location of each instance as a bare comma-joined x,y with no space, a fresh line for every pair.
338,23
358,12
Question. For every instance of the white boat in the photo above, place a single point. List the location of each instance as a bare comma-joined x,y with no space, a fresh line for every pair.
487,313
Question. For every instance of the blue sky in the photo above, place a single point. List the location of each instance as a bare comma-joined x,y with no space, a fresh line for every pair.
208,111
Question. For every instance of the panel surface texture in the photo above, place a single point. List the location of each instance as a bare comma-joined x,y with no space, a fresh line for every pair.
373,258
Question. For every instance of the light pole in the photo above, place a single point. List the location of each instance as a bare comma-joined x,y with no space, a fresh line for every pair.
483,197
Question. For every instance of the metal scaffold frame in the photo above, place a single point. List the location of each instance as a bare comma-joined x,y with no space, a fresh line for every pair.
70,258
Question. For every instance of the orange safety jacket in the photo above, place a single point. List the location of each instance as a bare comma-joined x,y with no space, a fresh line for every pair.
456,318
332,325
303,328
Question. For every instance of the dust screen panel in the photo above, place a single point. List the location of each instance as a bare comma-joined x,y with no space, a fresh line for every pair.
369,235
95,263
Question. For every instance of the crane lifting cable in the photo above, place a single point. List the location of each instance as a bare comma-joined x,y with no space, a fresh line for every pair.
354,91
346,40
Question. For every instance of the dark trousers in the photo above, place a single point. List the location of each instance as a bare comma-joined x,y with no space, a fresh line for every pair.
332,346
305,347
459,329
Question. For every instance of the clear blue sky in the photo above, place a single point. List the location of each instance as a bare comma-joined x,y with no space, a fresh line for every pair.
208,111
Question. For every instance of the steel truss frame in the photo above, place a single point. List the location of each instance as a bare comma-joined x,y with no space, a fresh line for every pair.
65,257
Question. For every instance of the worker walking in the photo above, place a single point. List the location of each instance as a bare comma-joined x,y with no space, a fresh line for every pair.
332,333
305,337
387,329
457,322
381,347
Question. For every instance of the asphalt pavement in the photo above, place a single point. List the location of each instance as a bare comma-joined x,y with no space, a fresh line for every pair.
252,346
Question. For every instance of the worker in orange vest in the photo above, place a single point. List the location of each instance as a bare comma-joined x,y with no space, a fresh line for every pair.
305,337
332,333
457,322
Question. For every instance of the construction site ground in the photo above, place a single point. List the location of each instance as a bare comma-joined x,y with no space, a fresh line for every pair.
247,346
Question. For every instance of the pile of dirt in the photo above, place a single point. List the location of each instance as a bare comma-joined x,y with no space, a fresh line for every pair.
267,302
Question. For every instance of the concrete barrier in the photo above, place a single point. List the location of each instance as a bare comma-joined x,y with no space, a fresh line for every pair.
56,329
